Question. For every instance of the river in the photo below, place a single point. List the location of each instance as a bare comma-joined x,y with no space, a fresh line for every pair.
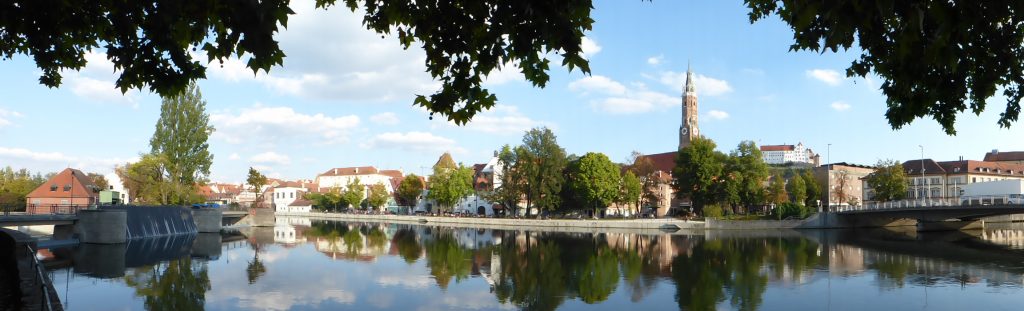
304,264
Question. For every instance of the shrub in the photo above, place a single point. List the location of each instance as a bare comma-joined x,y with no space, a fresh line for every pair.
712,211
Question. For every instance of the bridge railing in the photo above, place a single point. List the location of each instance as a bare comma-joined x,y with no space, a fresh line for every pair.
972,201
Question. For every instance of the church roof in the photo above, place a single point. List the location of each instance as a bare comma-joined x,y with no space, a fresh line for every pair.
445,161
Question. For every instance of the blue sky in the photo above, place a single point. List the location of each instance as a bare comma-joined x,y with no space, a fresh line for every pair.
343,98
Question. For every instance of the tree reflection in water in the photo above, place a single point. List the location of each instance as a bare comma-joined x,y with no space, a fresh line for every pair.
172,285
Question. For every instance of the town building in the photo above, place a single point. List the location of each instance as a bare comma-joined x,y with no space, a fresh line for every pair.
487,176
928,179
116,185
789,154
64,192
844,183
1012,157
367,175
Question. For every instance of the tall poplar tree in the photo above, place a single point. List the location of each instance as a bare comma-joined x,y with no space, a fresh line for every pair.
181,139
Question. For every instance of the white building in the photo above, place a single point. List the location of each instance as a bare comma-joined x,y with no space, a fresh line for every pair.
115,184
367,175
782,154
283,197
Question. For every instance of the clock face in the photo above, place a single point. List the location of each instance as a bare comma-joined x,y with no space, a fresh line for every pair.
684,130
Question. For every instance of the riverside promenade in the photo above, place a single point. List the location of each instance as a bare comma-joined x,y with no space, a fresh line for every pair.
663,224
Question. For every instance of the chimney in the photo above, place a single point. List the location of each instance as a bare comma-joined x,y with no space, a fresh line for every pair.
335,171
357,170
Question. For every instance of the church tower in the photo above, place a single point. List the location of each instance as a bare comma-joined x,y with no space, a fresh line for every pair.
688,129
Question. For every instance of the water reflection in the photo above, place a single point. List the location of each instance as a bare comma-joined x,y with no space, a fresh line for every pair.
329,265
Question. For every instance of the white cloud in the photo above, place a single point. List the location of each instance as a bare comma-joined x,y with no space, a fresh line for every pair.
705,85
20,153
95,82
275,124
271,157
589,47
840,106
718,114
347,63
828,76
412,141
234,156
621,99
7,115
385,118
503,119
507,73
655,60
597,84
56,161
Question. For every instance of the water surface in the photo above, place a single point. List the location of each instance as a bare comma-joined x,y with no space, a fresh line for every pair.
307,264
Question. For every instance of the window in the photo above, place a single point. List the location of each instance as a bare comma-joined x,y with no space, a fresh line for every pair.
291,195
936,180
974,179
67,187
64,202
53,187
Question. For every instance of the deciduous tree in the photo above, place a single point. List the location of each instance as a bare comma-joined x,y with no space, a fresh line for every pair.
448,186
630,190
256,181
698,168
181,140
595,181
777,190
797,189
889,181
542,162
378,196
353,194
410,189
936,59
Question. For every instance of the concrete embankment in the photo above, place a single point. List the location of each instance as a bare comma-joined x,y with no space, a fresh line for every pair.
508,223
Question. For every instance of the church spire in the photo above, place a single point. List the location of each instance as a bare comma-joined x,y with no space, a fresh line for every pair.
690,88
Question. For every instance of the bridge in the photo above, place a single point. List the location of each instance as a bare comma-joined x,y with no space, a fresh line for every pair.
938,211
21,219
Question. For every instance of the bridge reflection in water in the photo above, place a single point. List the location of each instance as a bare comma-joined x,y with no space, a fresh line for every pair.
538,270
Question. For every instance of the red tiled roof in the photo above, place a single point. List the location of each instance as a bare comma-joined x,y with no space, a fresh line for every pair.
391,173
301,202
663,161
348,171
778,148
982,167
1004,156
81,186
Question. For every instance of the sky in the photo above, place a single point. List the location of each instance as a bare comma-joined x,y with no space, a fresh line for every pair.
343,97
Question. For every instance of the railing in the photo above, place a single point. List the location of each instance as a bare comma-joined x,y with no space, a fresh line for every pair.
966,202
59,209
40,275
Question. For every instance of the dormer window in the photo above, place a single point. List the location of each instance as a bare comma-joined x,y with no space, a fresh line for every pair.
956,170
53,187
67,187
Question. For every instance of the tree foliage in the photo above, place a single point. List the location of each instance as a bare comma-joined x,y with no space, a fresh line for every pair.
542,162
410,189
753,173
813,188
936,58
378,196
181,137
643,168
353,194
512,180
146,181
448,186
594,179
15,185
797,189
777,190
698,168
889,181
630,190
154,43
256,180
